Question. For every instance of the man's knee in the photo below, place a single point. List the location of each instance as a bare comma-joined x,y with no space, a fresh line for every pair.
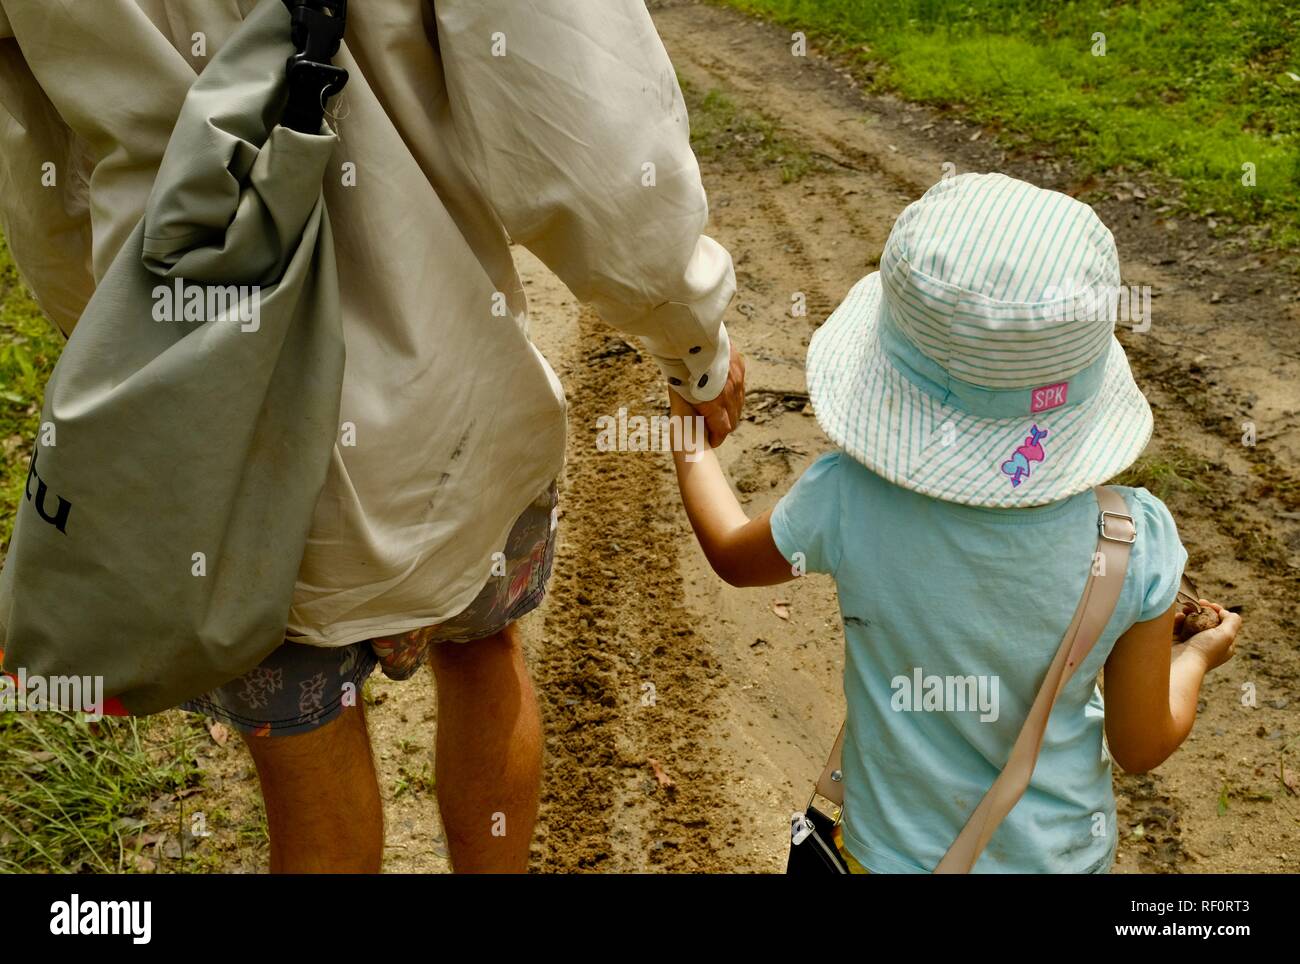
342,743
486,656
323,808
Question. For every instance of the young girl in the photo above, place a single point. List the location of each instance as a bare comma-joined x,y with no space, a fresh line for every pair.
976,394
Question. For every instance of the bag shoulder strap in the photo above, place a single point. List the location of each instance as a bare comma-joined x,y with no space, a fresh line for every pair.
1116,533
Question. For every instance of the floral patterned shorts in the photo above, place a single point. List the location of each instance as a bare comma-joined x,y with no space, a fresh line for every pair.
300,688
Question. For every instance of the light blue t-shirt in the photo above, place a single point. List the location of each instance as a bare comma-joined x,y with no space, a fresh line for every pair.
933,593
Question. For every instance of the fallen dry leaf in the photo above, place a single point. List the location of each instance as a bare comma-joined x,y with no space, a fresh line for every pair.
661,775
1291,780
219,732
140,863
140,841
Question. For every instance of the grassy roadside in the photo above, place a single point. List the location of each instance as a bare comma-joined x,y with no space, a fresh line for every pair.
719,130
1186,91
100,798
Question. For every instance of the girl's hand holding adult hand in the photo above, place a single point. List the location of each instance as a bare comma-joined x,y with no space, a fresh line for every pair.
722,415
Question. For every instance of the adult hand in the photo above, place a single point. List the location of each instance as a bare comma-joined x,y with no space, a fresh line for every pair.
722,415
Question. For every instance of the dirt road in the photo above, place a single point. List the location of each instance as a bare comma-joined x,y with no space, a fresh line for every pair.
654,673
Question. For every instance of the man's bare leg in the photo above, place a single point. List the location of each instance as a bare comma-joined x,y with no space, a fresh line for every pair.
322,798
489,762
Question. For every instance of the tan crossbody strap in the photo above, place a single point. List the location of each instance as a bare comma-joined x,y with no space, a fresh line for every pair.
1116,533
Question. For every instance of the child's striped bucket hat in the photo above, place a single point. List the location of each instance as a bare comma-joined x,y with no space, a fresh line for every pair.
979,364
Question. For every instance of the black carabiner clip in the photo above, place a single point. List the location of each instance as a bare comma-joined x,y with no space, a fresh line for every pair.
318,27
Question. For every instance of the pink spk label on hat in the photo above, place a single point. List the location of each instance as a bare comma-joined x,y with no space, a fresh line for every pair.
1049,396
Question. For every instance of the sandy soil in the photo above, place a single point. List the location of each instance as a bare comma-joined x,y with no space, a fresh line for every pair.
641,654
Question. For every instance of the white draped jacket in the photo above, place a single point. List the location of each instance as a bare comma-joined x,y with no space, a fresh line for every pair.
555,123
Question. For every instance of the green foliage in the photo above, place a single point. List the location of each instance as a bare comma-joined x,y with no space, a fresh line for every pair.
720,130
1164,473
75,798
1188,90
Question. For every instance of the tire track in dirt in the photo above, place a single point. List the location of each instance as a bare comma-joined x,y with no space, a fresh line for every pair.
773,214
624,676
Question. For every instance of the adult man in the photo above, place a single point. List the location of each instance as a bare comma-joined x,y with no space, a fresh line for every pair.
464,120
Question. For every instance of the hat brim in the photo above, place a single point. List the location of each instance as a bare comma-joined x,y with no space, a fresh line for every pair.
911,438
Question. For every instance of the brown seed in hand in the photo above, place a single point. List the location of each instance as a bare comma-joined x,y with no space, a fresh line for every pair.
1198,622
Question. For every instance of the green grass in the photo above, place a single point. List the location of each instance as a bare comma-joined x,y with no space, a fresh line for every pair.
1187,92
1164,474
73,798
721,131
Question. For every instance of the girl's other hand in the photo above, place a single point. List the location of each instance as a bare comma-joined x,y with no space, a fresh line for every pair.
1215,646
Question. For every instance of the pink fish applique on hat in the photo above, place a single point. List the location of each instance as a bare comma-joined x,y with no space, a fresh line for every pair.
1017,467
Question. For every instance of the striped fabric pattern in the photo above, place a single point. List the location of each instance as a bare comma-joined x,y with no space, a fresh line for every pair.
994,288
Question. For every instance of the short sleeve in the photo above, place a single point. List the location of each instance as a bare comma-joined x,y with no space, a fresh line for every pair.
806,522
1162,554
